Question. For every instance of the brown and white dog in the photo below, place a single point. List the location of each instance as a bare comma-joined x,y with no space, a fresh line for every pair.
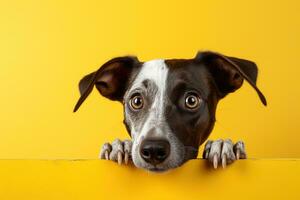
169,107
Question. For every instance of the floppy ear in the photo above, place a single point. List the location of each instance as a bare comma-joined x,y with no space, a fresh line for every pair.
110,79
229,72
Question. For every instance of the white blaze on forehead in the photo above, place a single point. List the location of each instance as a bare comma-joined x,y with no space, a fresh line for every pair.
157,72
154,70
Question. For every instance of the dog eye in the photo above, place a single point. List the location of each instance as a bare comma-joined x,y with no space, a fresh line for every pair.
136,102
192,101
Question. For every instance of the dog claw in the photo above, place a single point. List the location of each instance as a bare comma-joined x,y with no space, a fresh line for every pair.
106,155
126,157
215,161
119,157
224,161
238,154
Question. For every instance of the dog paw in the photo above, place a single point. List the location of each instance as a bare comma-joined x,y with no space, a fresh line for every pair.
223,151
117,151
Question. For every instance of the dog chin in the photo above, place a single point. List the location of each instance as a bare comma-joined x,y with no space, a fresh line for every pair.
158,168
161,169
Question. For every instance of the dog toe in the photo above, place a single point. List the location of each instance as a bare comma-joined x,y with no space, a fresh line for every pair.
207,149
105,151
127,150
117,151
214,154
239,150
227,154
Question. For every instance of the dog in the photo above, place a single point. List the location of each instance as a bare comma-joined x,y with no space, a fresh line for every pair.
170,106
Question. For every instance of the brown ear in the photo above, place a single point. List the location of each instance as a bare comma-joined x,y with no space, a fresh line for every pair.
229,72
110,79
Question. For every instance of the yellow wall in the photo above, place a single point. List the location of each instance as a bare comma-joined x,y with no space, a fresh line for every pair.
47,46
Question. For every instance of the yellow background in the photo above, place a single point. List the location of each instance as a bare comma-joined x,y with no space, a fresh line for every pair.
93,179
47,46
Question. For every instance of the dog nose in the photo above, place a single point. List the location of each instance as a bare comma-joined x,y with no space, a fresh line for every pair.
155,151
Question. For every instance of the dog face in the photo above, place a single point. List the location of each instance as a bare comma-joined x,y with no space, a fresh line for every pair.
169,105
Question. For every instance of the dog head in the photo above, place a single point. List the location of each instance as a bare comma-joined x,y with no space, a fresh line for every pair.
169,105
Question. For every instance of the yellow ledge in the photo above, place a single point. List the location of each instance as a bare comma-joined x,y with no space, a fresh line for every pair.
98,179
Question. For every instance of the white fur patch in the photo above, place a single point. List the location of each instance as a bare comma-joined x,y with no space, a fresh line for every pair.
156,71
